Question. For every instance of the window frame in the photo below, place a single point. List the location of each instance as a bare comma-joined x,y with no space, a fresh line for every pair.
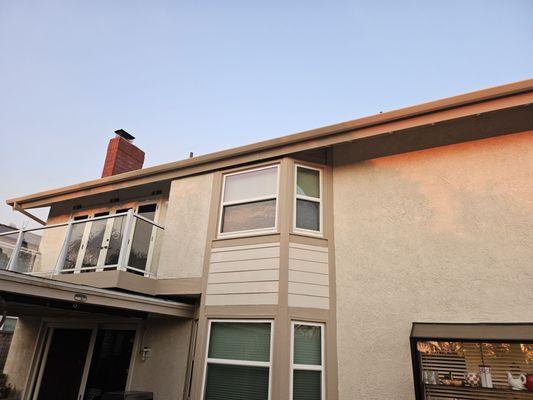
245,363
309,367
223,204
320,202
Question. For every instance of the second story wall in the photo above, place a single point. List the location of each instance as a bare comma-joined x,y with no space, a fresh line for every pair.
187,218
439,235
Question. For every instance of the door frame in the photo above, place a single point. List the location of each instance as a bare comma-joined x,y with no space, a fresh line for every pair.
50,328
41,352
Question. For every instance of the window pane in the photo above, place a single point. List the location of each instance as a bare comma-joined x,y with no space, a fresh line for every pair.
140,244
306,385
242,217
240,341
251,185
236,382
307,215
307,345
308,182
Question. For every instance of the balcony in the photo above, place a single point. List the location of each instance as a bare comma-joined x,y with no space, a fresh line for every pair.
120,242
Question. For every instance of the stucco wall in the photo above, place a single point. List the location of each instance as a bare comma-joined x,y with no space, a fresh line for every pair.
164,372
20,354
440,235
184,240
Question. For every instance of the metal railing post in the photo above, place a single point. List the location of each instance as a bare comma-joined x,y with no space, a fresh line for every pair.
123,256
12,263
64,250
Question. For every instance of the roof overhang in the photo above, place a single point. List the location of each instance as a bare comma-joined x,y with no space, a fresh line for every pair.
474,103
27,289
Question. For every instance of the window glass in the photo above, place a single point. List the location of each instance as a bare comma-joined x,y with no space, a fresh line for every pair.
236,382
240,341
308,182
307,345
238,361
247,216
249,200
251,185
308,201
307,366
307,215
306,385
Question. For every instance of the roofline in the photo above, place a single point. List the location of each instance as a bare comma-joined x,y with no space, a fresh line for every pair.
462,100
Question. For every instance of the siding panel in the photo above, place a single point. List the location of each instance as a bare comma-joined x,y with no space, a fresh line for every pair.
308,276
244,275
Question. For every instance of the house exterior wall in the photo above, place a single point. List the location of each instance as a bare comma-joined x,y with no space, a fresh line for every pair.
440,235
21,352
184,239
165,370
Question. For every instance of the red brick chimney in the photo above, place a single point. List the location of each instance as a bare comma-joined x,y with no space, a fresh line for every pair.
122,155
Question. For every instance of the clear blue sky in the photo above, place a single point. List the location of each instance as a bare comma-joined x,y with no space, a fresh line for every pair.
206,75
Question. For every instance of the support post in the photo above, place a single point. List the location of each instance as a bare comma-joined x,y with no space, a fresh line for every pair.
12,264
123,256
60,264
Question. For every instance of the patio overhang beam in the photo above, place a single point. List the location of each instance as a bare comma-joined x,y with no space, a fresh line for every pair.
85,298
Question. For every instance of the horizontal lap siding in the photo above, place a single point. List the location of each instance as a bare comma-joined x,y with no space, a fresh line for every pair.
308,276
244,275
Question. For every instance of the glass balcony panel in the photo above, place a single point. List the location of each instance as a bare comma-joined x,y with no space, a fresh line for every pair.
141,244
115,240
94,246
7,244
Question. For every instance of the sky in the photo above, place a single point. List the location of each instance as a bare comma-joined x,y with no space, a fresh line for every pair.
203,76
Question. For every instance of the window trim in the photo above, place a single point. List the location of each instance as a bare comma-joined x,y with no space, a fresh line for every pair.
307,367
248,232
320,232
245,363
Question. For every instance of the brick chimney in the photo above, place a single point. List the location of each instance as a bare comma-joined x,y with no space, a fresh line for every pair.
122,155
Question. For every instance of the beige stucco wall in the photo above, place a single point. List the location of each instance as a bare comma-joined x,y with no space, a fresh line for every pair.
441,235
184,240
164,372
20,354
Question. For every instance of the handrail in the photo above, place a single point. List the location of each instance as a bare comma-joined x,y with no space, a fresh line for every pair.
81,221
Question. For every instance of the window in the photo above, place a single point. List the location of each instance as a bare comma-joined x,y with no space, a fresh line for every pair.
474,361
308,200
249,201
307,361
238,360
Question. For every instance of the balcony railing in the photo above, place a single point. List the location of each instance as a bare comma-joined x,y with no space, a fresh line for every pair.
123,241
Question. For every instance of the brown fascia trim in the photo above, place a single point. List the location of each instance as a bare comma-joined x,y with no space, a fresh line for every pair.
285,144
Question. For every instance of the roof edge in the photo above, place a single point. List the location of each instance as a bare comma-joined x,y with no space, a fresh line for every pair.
372,120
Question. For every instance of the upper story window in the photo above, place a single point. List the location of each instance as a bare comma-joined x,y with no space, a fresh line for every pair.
308,200
249,201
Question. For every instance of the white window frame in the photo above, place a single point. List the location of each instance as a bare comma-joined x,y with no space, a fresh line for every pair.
224,361
306,367
249,200
308,198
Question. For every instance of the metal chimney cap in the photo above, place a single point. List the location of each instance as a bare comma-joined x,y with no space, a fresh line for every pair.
125,135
